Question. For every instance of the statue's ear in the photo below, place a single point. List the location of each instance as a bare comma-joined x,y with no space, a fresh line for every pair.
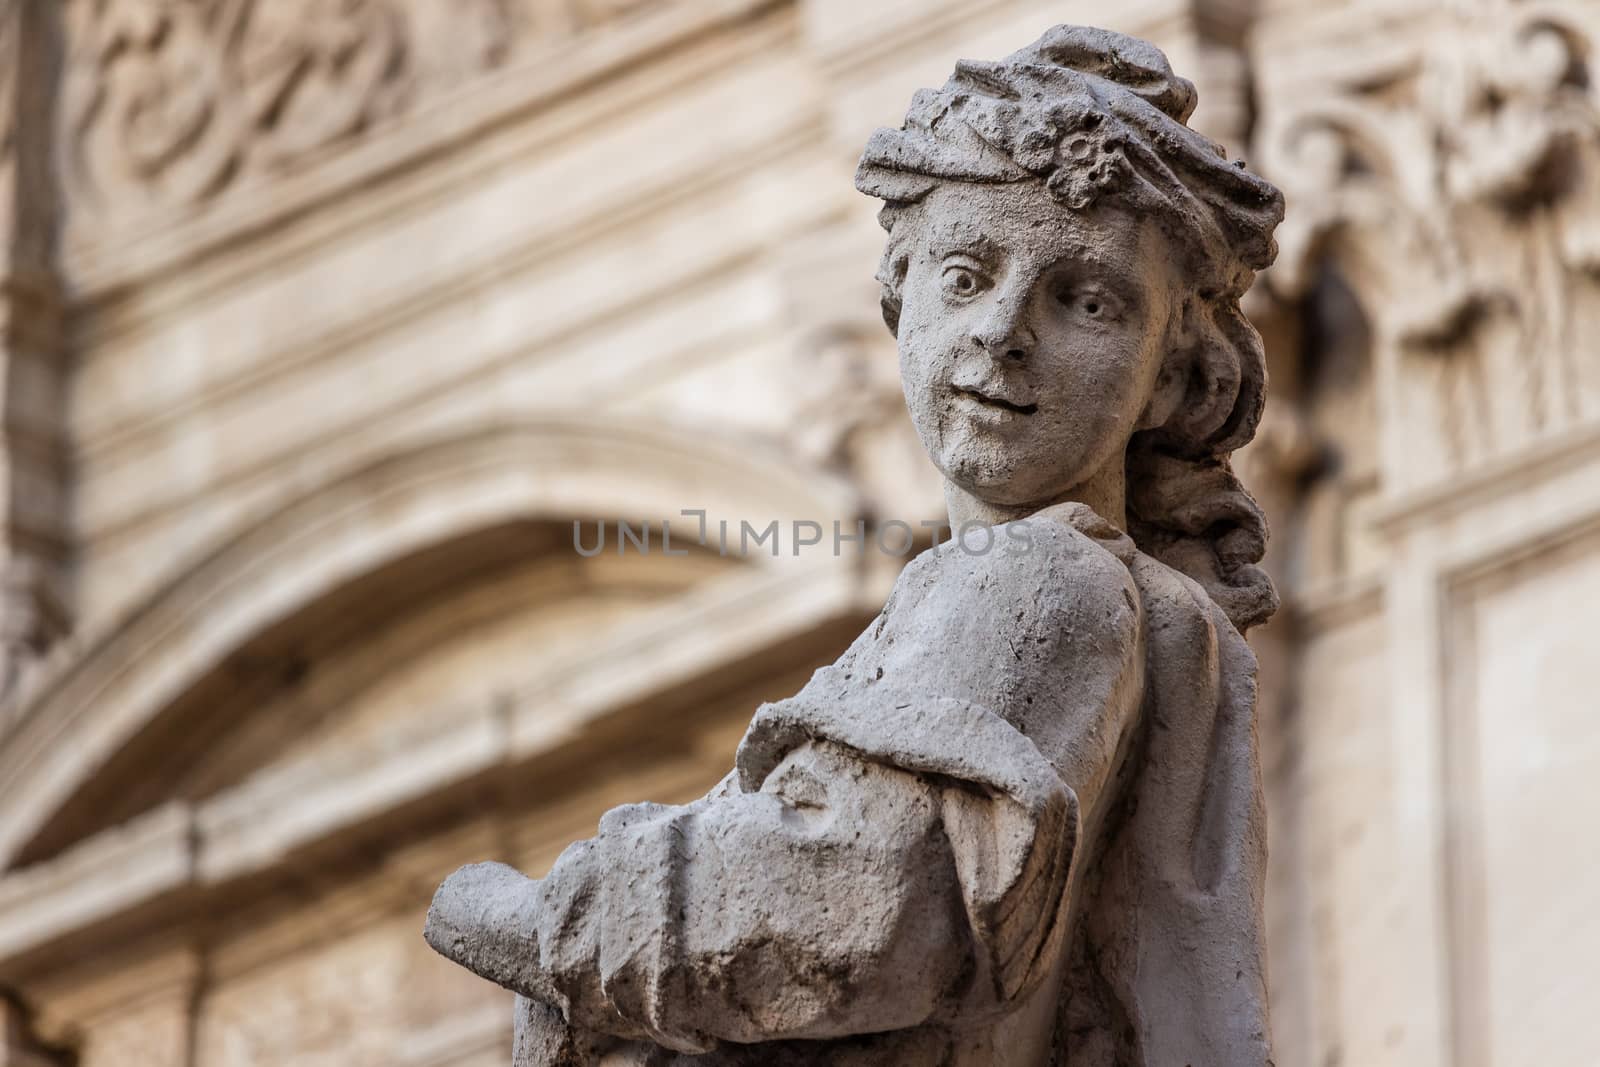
1172,381
892,273
1172,385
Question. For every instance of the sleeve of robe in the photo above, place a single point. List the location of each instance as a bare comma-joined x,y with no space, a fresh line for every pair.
872,864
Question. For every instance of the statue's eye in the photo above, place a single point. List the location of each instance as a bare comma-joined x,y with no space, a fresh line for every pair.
1089,303
962,281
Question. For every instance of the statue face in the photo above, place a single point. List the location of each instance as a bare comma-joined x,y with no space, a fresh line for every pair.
1031,337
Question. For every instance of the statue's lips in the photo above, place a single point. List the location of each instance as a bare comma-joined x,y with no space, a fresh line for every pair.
997,402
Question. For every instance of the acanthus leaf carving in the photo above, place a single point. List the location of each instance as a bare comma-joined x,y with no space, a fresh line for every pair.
168,102
1456,182
145,99
1504,118
314,71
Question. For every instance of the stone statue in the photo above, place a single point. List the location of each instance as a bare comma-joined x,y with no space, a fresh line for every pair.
1019,822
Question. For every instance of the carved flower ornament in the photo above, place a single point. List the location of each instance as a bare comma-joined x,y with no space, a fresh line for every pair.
1088,162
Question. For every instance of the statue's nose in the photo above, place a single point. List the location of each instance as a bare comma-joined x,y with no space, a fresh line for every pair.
1005,333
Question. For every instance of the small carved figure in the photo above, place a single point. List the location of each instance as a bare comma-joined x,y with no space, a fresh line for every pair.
1019,822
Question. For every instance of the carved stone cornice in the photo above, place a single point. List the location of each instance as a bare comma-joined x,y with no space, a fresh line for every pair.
1452,174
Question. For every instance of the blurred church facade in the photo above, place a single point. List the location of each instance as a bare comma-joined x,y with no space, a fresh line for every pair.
322,322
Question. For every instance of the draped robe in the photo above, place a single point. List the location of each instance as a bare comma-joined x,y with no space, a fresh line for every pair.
1018,822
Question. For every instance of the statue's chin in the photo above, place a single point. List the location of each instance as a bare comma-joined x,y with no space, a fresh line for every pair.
997,493
1000,486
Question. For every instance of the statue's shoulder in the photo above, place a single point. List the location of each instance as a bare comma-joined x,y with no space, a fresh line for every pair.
1063,540
1062,572
1049,613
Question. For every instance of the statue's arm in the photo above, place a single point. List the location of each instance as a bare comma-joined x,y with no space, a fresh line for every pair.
828,902
845,895
878,863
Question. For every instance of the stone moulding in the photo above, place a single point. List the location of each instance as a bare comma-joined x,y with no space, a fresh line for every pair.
410,303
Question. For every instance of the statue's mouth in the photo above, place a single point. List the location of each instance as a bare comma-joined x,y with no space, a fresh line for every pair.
997,402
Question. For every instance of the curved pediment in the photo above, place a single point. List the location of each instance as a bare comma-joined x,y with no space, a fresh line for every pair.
340,571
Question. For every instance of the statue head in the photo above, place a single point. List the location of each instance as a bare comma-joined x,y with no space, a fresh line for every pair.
1063,273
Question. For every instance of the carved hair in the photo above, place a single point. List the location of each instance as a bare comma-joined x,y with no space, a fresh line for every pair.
1089,114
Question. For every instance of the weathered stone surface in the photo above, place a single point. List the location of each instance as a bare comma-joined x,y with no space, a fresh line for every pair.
641,223
1019,821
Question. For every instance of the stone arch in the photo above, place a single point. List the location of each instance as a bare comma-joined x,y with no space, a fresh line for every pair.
115,684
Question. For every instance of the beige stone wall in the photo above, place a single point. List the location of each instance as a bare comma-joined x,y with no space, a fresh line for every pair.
322,323
1441,160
